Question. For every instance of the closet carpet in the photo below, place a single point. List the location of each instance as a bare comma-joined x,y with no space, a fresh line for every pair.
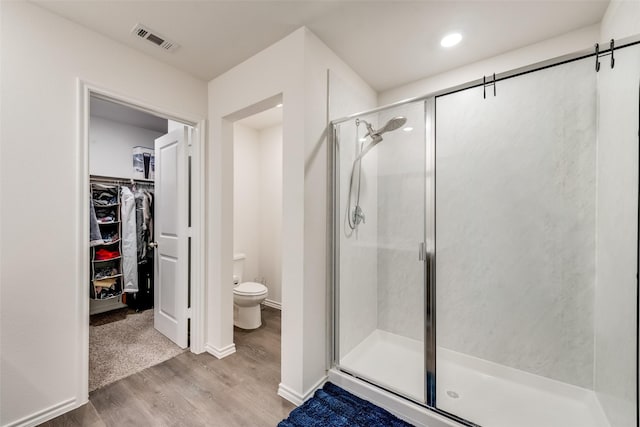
123,347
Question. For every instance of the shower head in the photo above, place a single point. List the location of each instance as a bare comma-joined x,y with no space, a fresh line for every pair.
376,135
392,125
354,218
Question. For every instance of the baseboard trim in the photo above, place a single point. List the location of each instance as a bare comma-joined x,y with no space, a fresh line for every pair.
273,304
315,387
220,352
296,398
290,395
45,415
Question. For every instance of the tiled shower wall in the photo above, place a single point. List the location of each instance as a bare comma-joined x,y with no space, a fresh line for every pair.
515,229
401,224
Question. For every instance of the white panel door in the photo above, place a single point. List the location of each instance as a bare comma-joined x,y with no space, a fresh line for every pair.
171,210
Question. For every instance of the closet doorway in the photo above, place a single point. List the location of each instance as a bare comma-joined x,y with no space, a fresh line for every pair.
140,253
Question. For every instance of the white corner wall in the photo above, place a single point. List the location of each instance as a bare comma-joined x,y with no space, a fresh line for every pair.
270,214
111,146
622,19
573,41
319,59
43,56
275,72
295,69
246,199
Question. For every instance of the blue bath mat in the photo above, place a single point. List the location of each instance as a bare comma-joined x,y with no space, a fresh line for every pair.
332,406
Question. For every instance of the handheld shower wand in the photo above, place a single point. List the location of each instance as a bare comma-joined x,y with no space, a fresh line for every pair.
357,216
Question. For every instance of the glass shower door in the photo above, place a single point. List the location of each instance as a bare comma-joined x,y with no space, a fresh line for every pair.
380,232
485,250
517,193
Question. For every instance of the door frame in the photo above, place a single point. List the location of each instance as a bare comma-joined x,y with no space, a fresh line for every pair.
197,311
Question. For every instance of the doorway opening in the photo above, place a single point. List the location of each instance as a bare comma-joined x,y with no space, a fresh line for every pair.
141,256
257,233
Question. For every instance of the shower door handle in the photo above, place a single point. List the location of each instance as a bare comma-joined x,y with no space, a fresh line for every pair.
422,251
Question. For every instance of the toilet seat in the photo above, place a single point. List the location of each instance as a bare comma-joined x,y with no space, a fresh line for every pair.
250,288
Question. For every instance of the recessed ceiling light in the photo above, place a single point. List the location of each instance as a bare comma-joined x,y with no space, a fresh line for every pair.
408,129
279,106
451,40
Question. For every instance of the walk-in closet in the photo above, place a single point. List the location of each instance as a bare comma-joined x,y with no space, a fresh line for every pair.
123,210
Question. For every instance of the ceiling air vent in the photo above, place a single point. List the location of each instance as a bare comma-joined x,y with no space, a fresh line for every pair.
155,38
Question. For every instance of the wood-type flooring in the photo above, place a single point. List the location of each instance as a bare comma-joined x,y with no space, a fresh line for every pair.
196,389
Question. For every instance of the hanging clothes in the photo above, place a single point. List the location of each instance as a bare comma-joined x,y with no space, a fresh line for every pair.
144,232
140,231
148,214
95,238
129,241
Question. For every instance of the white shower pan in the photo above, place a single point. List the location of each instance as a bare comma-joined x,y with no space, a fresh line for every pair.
477,390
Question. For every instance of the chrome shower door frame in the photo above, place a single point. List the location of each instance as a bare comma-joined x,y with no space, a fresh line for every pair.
430,255
426,251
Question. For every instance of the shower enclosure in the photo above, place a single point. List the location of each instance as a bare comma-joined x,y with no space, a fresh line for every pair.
485,247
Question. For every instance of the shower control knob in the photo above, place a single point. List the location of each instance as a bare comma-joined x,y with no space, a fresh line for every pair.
358,215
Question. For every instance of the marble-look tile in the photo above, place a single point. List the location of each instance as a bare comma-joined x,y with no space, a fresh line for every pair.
515,220
401,224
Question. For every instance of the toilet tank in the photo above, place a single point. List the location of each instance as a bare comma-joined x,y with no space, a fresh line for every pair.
238,267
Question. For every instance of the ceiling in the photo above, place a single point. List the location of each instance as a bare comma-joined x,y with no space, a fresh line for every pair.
388,43
127,115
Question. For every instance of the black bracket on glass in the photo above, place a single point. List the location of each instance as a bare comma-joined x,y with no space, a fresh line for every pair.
485,84
610,52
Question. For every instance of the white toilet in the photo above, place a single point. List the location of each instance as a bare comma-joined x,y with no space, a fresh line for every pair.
247,297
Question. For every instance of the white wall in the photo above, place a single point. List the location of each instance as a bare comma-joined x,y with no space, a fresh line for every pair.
294,69
571,42
319,59
270,213
42,57
622,19
273,73
617,186
111,146
246,199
